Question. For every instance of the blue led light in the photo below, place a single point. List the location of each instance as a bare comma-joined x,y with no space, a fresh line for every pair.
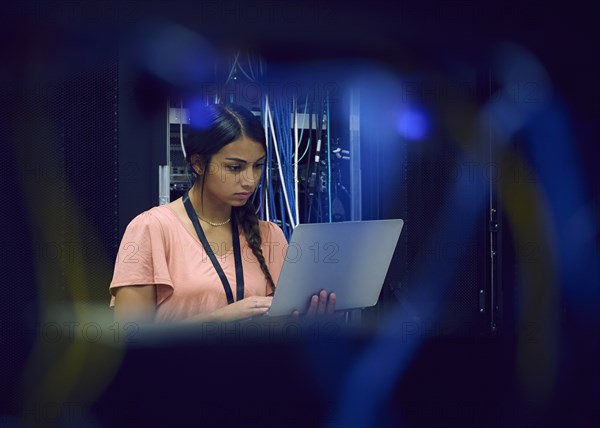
412,124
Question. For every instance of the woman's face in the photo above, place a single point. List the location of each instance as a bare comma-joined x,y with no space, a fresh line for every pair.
234,172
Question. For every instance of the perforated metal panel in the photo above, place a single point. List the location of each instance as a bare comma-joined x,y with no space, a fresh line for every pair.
89,122
432,173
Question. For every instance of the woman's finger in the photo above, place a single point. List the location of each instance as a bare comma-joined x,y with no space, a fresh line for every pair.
314,302
331,304
265,302
260,302
322,302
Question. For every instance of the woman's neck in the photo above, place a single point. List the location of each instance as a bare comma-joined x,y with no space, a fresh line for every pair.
206,208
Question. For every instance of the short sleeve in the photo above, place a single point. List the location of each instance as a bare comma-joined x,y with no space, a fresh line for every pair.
274,249
142,258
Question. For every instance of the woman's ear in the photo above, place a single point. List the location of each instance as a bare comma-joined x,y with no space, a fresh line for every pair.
196,161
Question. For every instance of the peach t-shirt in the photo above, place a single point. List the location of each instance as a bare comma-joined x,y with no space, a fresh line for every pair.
158,249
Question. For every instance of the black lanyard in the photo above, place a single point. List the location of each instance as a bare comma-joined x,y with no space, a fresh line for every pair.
237,254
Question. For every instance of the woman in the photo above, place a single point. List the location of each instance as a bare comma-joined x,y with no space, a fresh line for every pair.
206,256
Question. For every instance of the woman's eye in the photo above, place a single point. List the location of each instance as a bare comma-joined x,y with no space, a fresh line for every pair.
259,165
233,167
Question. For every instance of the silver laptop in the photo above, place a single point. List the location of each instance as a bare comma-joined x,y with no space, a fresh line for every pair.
348,258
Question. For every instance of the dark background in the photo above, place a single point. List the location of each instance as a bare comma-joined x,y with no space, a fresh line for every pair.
83,137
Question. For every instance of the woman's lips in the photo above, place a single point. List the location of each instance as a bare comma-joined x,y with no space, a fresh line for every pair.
242,195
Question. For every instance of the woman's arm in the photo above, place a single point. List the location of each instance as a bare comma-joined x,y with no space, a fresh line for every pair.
242,309
135,303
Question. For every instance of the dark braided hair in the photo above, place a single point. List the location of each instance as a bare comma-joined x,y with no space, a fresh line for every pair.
211,128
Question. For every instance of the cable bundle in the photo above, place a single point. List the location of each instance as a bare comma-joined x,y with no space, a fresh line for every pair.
280,170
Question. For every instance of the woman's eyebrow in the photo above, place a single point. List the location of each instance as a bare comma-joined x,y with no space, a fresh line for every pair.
245,161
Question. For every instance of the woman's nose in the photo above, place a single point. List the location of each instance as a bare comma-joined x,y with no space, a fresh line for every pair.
248,177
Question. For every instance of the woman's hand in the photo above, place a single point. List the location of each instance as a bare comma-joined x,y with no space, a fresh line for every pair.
320,304
245,308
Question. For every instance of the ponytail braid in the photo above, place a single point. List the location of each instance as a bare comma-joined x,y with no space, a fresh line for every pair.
247,218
